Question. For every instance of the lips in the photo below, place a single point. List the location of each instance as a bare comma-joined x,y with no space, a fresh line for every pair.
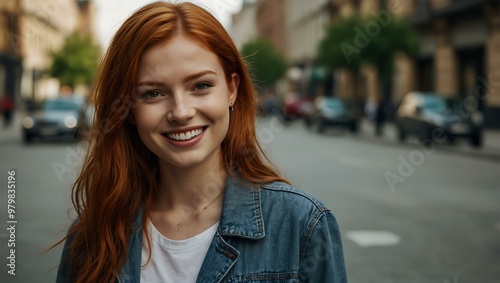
184,135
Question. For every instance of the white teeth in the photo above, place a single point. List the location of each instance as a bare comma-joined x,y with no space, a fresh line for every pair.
186,135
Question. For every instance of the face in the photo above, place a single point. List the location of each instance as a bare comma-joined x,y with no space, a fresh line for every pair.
182,101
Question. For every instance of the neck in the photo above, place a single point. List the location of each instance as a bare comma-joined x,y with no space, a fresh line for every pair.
193,187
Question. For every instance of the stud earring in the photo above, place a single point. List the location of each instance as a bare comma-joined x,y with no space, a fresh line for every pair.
231,108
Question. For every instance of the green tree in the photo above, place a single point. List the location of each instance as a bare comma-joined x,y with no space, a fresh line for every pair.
76,63
337,50
354,41
265,63
396,37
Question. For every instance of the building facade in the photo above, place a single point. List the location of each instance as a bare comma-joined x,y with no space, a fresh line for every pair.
460,54
34,29
271,22
305,23
244,25
10,49
459,47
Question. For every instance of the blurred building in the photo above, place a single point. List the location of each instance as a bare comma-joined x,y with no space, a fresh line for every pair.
33,30
10,57
271,22
295,27
86,18
459,54
244,26
305,23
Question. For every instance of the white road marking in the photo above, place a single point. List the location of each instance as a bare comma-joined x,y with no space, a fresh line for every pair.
370,238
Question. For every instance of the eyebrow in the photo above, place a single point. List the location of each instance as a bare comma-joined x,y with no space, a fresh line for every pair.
186,79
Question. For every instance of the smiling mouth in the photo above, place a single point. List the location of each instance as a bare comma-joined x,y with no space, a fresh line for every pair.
184,136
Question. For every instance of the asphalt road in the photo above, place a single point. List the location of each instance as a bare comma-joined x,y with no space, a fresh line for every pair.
407,214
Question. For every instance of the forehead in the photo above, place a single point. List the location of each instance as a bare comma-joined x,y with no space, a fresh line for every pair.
179,54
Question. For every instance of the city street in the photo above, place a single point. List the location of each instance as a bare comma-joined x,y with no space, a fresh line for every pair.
407,213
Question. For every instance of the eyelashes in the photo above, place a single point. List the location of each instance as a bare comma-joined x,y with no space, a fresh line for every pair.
200,87
150,94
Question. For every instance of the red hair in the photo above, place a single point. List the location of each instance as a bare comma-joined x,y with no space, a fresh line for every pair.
119,174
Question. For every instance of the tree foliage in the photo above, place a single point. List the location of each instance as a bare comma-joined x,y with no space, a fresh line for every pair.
330,50
265,63
76,63
354,41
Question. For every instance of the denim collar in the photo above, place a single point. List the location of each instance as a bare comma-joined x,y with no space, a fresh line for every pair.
241,211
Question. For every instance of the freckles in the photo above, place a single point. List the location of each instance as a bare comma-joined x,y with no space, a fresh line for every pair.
145,116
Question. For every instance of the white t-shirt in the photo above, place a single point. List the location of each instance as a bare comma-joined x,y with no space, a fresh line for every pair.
174,260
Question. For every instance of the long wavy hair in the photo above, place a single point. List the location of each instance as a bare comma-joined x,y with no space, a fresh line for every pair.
119,174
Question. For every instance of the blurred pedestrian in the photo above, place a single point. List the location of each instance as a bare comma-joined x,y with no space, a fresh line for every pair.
7,107
370,109
175,187
380,115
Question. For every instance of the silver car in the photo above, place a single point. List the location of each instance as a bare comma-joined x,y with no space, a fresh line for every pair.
425,115
58,117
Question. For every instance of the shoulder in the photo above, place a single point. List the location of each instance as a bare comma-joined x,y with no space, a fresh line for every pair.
290,211
277,191
284,202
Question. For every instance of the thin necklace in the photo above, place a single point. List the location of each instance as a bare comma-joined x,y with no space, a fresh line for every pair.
199,212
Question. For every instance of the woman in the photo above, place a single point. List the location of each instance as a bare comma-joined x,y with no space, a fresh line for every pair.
175,187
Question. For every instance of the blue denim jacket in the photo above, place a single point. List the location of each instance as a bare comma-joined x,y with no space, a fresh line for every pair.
273,233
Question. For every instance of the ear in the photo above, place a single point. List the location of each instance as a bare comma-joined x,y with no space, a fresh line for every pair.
233,87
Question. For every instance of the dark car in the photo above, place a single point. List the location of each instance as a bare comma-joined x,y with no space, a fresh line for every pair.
331,112
57,117
421,113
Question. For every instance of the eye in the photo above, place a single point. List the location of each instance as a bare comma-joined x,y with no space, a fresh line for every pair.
150,94
202,86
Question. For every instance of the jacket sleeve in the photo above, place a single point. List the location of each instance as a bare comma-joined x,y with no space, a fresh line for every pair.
323,259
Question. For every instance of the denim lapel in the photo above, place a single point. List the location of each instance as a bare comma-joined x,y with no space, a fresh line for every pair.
241,217
131,270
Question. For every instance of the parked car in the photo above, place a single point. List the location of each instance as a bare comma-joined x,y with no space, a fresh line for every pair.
331,112
57,117
295,107
421,113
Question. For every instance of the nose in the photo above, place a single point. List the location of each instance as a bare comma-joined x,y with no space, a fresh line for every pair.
181,109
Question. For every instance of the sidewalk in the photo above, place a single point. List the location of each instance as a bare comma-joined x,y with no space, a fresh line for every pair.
14,131
489,150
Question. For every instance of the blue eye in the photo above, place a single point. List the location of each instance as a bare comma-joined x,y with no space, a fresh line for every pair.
202,86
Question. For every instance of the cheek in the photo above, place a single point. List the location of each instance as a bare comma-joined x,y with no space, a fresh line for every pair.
220,113
147,118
